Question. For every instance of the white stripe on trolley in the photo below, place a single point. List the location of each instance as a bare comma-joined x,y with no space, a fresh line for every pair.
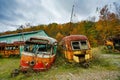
38,55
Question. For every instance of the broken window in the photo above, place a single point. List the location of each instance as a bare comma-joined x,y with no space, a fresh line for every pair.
42,48
84,45
79,45
76,45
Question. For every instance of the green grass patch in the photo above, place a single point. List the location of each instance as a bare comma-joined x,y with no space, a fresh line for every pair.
101,62
103,59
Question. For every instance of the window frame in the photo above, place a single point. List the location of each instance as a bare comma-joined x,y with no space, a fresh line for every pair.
79,44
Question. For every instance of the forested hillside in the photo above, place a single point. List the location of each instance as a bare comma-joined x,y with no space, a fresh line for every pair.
96,31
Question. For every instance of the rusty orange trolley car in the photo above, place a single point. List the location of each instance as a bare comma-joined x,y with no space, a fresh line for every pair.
10,49
39,54
76,48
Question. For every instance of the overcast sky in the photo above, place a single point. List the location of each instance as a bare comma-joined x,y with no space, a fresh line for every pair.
20,12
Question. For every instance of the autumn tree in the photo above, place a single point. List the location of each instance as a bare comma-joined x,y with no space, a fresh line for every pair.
59,36
104,26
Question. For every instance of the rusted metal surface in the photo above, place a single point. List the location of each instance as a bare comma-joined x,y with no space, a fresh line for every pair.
19,43
113,42
67,40
34,57
42,39
12,44
79,54
75,37
7,49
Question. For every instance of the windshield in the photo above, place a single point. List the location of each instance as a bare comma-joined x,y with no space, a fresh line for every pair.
79,45
37,48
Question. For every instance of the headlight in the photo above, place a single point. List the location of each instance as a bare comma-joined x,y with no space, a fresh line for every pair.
32,63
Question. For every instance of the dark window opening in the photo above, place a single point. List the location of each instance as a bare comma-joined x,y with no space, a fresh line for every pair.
2,48
42,48
79,45
37,48
75,45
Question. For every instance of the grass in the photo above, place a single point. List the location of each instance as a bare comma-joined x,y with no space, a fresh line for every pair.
105,59
61,70
7,65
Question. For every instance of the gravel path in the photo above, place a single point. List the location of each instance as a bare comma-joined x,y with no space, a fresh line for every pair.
95,75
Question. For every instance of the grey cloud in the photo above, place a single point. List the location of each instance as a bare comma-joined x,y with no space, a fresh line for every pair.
46,11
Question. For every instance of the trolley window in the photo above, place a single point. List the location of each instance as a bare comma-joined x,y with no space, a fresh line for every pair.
79,45
76,45
84,45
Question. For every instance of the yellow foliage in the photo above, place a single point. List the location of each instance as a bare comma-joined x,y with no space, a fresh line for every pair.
59,36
